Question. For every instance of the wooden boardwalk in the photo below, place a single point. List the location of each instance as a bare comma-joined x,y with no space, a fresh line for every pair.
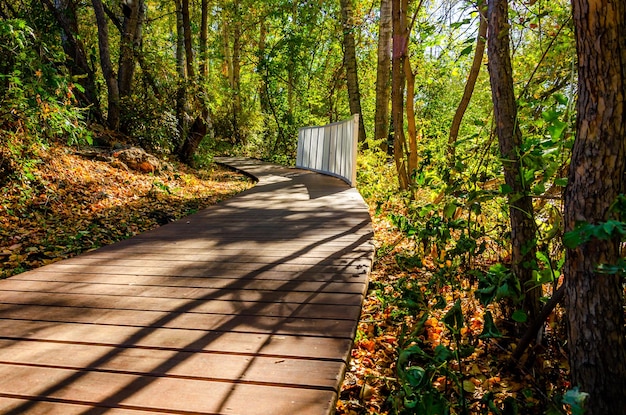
248,307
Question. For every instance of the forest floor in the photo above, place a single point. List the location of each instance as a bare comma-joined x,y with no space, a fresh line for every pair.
66,204
423,346
412,353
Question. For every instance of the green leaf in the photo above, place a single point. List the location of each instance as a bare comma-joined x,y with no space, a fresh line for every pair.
490,330
467,50
519,316
415,375
454,317
539,188
561,99
556,129
505,189
561,181
449,210
443,354
573,239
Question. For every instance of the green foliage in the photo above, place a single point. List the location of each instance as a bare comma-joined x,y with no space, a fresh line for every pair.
416,369
37,95
153,127
497,284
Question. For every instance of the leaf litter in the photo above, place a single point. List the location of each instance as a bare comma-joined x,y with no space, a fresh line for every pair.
66,205
405,330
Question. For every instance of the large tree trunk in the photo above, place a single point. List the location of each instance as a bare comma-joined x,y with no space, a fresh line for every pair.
523,226
595,301
469,85
400,39
349,60
130,42
383,72
113,113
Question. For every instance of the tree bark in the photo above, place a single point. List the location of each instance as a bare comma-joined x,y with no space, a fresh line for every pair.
349,59
236,75
594,301
181,91
204,36
523,226
411,155
187,37
113,113
469,85
383,74
400,39
130,43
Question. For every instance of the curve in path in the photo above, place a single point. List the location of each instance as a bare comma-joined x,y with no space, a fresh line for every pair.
248,307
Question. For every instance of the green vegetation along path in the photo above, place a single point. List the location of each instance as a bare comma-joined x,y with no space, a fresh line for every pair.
248,307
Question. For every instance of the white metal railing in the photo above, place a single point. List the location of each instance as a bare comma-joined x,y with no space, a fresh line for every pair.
330,149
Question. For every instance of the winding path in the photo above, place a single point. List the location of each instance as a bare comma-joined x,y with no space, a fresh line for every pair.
248,307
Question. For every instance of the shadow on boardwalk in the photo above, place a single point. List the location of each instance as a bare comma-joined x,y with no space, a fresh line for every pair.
248,307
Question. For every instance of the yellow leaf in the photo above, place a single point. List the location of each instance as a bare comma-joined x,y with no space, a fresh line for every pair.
468,386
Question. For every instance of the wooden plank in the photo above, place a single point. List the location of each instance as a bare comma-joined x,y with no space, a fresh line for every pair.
82,303
354,286
251,322
262,370
130,391
254,300
190,293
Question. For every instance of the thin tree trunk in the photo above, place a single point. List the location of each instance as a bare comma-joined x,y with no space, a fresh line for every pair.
349,59
594,301
523,226
410,118
469,86
204,36
187,40
113,114
181,92
383,75
130,43
400,39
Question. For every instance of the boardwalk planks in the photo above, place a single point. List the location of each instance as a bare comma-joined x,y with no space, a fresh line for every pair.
248,307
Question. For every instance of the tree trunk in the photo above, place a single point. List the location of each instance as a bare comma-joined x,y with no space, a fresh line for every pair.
130,43
523,226
181,92
400,39
383,72
113,114
187,38
469,86
204,38
65,15
236,76
595,301
349,60
411,155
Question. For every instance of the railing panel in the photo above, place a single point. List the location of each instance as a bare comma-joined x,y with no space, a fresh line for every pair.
330,149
